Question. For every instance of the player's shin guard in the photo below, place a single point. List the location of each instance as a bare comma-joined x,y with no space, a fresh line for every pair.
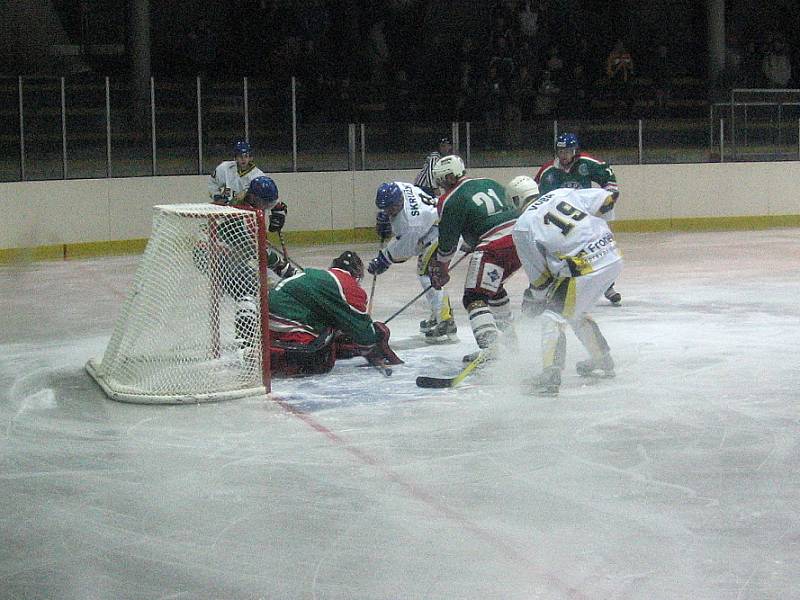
483,324
434,299
554,341
554,353
501,309
587,331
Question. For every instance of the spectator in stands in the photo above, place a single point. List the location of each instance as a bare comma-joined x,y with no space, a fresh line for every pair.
619,65
502,58
377,54
555,65
575,92
662,74
751,76
501,28
525,91
400,100
493,94
619,69
527,20
546,96
776,65
466,99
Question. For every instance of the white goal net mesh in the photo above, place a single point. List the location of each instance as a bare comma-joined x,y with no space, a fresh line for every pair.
190,329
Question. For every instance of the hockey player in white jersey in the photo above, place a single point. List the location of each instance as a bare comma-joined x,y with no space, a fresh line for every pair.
571,257
408,215
229,182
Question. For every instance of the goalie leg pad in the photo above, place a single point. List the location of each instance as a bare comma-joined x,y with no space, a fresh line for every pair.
300,360
246,321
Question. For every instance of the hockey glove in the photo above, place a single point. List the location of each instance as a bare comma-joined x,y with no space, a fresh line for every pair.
223,196
383,225
277,218
379,264
284,269
438,272
381,353
533,303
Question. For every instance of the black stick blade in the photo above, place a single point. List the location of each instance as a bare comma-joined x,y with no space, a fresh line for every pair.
434,382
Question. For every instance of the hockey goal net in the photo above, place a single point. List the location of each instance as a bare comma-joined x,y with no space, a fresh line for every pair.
194,325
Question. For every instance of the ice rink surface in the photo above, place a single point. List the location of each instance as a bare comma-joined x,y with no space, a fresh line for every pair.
679,479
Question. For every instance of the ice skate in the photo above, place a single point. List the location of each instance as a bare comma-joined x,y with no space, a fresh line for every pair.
490,354
441,333
602,367
428,325
613,296
548,382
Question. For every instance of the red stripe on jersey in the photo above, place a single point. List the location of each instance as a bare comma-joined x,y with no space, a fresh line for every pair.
443,198
589,156
543,168
352,292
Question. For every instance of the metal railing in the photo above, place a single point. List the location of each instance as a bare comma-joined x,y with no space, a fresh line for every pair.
59,129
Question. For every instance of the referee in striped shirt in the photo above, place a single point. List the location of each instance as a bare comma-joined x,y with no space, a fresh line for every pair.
424,178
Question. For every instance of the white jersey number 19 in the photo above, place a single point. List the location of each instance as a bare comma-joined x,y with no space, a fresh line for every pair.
569,211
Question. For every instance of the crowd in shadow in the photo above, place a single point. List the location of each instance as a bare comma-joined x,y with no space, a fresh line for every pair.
525,59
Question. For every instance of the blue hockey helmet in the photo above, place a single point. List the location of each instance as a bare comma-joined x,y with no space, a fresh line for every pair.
262,193
388,195
242,147
567,141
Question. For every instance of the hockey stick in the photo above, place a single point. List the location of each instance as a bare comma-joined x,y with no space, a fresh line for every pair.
372,287
448,382
285,252
283,246
423,292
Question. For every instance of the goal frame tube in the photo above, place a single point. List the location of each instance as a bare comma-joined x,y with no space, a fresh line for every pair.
263,293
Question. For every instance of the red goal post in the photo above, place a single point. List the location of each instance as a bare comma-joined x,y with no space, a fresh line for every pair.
194,327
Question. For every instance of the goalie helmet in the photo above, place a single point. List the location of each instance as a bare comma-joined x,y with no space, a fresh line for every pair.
262,193
351,262
448,165
388,195
521,190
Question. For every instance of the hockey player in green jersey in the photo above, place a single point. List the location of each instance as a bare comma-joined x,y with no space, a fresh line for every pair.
573,169
311,311
476,209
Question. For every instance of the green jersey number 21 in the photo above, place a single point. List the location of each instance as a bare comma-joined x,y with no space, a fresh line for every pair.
489,201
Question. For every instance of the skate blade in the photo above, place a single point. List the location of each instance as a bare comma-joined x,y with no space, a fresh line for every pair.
597,375
450,338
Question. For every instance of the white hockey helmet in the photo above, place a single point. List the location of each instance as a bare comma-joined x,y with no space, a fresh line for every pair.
522,189
447,165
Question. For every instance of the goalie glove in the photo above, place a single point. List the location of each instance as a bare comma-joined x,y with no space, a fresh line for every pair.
533,302
277,217
380,353
379,264
439,273
383,225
